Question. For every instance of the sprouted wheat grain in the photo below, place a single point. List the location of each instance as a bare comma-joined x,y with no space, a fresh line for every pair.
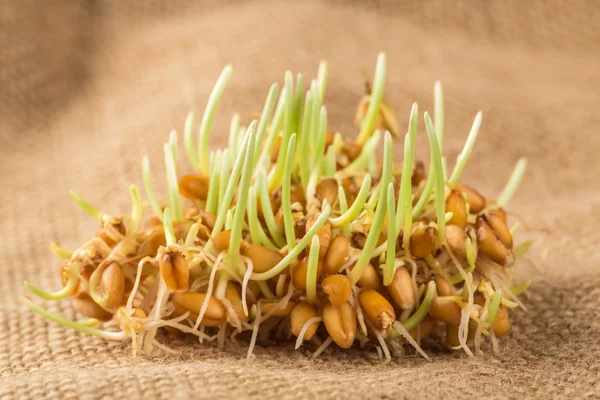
288,195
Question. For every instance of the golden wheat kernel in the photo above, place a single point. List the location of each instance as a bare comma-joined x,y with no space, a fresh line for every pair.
422,242
215,312
501,323
85,306
263,259
152,242
338,288
425,328
208,219
456,204
401,289
370,278
475,200
337,254
273,308
488,243
327,189
254,288
447,309
175,271
500,213
500,228
457,239
112,285
194,187
444,287
222,240
340,322
378,310
300,315
452,336
233,294
297,195
299,271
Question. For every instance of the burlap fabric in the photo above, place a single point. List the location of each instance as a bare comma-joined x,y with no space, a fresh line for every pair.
88,87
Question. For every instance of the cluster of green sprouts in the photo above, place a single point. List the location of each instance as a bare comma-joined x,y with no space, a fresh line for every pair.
297,230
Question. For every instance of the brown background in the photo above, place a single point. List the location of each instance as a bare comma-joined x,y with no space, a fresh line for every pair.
88,87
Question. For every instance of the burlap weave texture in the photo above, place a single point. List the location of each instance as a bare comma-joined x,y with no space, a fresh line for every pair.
88,87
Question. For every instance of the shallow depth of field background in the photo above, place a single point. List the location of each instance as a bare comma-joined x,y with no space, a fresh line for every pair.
88,87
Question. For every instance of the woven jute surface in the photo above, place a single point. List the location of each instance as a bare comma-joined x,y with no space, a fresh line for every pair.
88,87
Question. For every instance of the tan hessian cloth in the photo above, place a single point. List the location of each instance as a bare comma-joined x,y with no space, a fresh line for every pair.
88,87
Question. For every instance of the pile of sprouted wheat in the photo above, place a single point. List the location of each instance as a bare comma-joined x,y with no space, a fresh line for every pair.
295,230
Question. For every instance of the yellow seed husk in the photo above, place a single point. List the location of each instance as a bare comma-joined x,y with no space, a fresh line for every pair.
340,322
456,204
175,271
336,254
215,312
378,310
475,200
300,314
112,285
422,242
263,259
447,309
401,289
338,288
194,186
